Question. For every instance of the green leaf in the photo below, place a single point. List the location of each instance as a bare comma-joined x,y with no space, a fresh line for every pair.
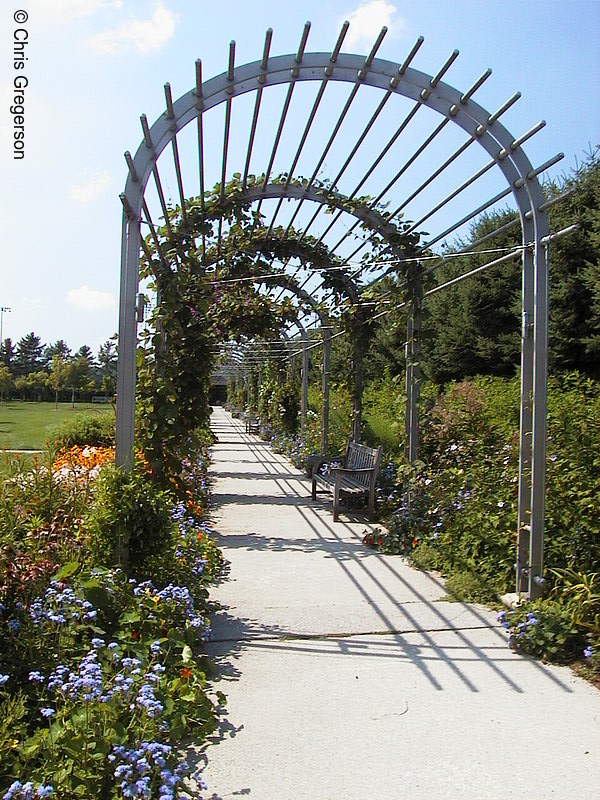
68,569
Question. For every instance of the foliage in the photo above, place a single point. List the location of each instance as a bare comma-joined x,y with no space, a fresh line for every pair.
101,675
473,327
543,629
96,430
128,521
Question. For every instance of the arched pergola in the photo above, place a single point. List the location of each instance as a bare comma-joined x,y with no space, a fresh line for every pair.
391,83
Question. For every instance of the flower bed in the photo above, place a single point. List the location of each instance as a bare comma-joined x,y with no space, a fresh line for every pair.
103,589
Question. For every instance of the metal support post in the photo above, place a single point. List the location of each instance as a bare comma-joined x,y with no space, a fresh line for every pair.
304,394
413,371
130,253
524,488
325,391
539,424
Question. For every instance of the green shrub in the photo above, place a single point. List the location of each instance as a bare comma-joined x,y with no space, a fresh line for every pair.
84,429
129,524
544,629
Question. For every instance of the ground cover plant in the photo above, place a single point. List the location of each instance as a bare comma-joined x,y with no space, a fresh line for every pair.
103,590
27,425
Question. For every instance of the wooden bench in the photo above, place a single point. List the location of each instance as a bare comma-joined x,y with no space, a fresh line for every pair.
354,477
252,424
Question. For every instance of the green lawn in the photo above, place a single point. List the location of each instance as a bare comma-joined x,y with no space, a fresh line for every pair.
25,426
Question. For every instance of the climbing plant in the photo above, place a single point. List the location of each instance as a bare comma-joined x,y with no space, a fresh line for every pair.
207,264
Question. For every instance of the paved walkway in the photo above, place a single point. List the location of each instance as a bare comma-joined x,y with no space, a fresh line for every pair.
348,676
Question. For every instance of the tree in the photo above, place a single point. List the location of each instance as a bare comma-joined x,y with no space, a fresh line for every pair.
29,355
574,330
59,376
474,327
33,383
86,353
59,348
6,381
107,359
8,353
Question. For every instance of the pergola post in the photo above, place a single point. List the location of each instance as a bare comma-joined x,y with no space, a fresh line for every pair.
325,390
130,249
304,391
413,369
539,423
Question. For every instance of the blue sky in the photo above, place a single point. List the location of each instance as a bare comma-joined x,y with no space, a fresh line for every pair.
93,66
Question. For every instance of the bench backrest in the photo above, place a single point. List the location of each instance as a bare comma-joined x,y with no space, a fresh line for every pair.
359,456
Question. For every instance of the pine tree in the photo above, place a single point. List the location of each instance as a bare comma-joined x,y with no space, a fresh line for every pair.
29,355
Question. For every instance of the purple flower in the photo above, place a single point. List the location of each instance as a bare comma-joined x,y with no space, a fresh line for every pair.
588,652
47,712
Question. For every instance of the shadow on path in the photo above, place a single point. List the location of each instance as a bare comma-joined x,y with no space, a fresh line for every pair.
369,572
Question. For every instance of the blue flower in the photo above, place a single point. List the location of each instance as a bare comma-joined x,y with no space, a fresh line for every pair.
47,712
14,626
3,679
36,676
588,651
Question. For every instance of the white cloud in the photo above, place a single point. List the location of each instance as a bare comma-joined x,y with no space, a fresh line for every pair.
87,299
143,35
369,18
95,183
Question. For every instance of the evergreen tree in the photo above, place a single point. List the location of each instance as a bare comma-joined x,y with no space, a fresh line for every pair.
59,348
107,359
8,353
29,355
574,268
473,327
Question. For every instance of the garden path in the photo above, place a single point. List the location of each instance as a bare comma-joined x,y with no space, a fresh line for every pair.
349,676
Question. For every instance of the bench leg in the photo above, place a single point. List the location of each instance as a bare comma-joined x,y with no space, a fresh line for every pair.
336,505
314,489
372,506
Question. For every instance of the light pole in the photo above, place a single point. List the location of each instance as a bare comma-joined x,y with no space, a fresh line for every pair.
2,310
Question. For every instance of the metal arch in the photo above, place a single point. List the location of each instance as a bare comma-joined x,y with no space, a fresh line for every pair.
316,195
509,157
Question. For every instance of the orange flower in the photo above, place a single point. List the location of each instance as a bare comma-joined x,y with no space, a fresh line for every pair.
185,673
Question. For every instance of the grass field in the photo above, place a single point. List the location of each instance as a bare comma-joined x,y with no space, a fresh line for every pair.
25,426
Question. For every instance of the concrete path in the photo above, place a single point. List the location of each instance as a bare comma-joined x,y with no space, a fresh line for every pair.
348,676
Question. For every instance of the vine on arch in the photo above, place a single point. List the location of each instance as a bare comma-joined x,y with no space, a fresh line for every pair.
202,268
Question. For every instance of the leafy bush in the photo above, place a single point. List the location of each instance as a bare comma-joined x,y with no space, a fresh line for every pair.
121,673
543,629
100,673
128,521
84,430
